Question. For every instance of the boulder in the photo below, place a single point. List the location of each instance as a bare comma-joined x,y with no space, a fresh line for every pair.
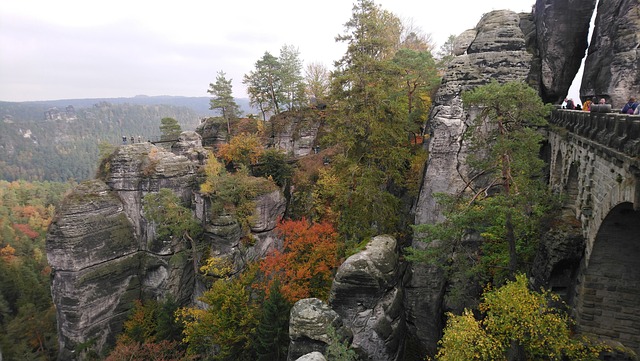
368,295
313,356
462,41
309,327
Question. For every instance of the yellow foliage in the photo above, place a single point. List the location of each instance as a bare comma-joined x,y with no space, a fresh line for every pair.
212,169
514,314
242,149
217,267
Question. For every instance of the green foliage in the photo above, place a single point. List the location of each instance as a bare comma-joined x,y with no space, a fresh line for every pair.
226,329
338,348
492,228
370,125
153,321
169,128
264,85
222,100
272,334
65,149
172,219
273,164
515,317
232,193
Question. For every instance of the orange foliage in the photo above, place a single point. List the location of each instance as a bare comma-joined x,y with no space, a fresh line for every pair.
242,149
26,230
306,264
8,253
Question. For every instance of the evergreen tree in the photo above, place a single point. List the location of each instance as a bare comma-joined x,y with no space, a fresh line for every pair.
369,126
264,84
272,333
223,100
169,128
291,78
506,203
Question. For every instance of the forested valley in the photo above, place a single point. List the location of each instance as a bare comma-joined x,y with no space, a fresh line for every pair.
40,143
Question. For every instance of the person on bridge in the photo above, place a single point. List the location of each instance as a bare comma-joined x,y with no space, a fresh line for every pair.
630,107
570,104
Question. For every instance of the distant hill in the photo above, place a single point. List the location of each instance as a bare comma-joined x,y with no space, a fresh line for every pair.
200,105
44,141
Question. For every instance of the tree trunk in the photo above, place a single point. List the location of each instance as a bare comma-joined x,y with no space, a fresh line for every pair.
511,239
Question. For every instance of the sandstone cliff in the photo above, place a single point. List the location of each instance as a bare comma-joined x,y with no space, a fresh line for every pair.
612,67
104,252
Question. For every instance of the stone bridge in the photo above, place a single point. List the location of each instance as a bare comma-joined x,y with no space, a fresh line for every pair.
595,164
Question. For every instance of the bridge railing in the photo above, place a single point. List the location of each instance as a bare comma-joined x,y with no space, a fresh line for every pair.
612,130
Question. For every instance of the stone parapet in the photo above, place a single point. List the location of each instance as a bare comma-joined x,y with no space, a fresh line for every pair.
620,132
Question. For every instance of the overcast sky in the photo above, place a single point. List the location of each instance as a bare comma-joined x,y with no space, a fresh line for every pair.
66,49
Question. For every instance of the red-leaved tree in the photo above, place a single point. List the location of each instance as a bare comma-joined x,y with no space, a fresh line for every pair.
305,265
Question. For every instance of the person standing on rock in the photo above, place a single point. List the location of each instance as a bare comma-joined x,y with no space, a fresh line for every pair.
630,107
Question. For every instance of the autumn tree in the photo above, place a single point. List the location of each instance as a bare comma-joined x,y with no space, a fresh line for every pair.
317,82
243,149
222,99
225,329
515,319
150,332
169,128
304,267
232,193
414,38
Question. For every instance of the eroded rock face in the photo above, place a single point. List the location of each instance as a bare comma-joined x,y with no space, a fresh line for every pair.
612,67
104,252
498,52
309,325
562,27
367,294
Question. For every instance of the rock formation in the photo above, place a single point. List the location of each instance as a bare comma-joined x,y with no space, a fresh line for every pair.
367,293
562,28
309,325
498,52
104,253
295,132
612,67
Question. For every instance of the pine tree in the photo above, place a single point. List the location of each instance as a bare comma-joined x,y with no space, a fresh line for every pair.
223,100
169,128
272,334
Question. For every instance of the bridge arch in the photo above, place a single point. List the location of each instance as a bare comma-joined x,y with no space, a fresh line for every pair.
608,294
596,166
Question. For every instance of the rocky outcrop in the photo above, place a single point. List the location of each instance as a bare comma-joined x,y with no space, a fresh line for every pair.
367,294
295,131
309,325
612,67
104,252
562,28
497,52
